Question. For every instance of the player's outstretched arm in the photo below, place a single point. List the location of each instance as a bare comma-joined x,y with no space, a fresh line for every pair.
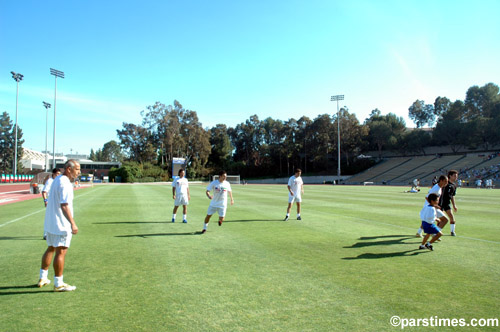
208,194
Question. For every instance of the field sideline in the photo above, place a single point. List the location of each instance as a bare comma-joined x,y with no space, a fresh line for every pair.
350,265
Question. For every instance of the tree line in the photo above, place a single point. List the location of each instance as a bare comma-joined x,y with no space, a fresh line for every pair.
273,147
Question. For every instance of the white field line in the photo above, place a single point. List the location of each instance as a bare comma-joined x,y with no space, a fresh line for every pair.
20,218
32,213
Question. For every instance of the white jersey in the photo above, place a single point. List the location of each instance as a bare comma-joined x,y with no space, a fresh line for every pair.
181,186
61,192
428,214
436,189
295,185
219,199
47,185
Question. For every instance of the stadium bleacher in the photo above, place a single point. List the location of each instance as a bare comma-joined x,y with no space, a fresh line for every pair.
402,170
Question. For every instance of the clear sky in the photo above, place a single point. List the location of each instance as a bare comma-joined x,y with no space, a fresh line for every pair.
228,60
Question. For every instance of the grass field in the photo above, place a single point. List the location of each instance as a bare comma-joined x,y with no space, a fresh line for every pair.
350,265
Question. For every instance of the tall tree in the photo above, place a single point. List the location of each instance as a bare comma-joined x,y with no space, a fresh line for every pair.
441,106
177,133
221,147
352,134
7,144
304,124
481,101
385,130
323,139
111,151
421,113
450,129
137,142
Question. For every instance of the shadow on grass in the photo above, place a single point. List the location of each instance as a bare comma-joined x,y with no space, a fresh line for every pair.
381,237
131,222
20,292
159,234
22,238
251,220
383,242
406,253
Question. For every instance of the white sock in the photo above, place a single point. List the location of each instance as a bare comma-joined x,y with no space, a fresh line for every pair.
58,281
452,227
205,226
420,230
44,274
288,214
184,217
298,214
173,216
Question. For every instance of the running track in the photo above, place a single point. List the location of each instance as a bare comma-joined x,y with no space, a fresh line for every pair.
12,193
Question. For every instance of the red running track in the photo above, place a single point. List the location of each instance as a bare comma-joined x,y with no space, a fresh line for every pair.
12,193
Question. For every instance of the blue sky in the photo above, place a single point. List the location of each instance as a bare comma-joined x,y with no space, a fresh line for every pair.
228,60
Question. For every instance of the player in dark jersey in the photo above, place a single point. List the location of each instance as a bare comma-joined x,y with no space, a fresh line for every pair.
447,201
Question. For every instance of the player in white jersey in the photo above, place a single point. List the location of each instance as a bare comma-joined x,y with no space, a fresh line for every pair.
218,202
180,194
429,217
46,189
295,191
59,226
48,182
436,189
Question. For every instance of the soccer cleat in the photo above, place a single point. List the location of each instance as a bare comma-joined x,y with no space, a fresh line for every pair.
429,246
64,288
185,221
453,234
418,235
438,240
173,219
220,222
299,218
286,218
421,247
203,231
42,282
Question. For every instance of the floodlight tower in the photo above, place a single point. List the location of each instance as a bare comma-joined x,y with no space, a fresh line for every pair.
56,73
337,98
18,78
47,106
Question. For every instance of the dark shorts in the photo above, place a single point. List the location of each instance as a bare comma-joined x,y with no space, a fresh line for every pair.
446,207
430,228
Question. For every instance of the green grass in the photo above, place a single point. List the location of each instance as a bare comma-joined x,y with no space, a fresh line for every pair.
349,265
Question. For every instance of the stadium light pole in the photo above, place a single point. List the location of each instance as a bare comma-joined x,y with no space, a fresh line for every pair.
56,73
18,78
47,106
337,98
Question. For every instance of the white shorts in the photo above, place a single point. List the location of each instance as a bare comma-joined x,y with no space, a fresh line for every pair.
220,210
181,200
55,240
294,198
440,213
